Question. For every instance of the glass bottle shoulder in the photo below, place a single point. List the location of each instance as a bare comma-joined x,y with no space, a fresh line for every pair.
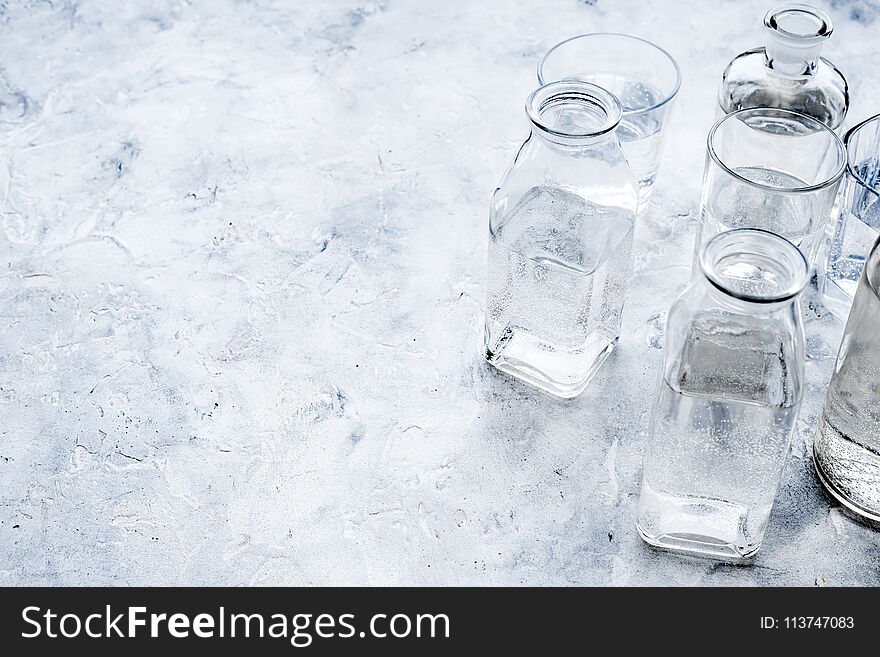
724,349
748,82
545,179
570,209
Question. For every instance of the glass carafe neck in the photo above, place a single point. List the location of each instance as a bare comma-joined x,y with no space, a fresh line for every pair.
797,33
750,268
573,113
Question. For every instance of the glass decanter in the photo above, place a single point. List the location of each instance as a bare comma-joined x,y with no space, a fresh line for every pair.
560,242
729,393
788,73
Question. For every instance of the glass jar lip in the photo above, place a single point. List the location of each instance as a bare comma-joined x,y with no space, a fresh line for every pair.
820,127
799,279
821,33
642,110
849,165
573,91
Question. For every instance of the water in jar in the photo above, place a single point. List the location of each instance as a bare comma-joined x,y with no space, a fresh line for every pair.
557,272
733,204
721,431
850,239
639,131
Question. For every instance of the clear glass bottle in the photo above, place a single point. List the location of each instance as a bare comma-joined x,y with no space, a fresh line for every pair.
846,448
560,242
788,72
729,394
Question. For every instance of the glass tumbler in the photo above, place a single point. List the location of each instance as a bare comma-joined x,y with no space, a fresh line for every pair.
772,169
846,447
850,236
644,77
560,242
729,393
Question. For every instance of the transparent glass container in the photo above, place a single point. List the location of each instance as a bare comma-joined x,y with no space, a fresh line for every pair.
788,73
729,393
644,77
853,232
846,448
772,169
560,242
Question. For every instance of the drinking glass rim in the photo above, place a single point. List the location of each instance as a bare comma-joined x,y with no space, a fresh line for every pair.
642,110
797,286
849,166
779,190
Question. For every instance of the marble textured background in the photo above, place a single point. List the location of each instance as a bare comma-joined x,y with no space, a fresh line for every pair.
241,260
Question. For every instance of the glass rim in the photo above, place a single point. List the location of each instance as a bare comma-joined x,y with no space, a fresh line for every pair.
642,110
849,165
575,91
831,180
797,286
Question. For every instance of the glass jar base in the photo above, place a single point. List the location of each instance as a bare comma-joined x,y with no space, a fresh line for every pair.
870,517
700,546
700,526
561,373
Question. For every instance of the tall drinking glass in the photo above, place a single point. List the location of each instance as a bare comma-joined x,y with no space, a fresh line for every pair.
850,236
644,77
772,169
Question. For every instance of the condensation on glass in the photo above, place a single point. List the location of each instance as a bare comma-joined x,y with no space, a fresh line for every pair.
772,169
853,232
728,398
846,447
644,77
788,73
560,242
